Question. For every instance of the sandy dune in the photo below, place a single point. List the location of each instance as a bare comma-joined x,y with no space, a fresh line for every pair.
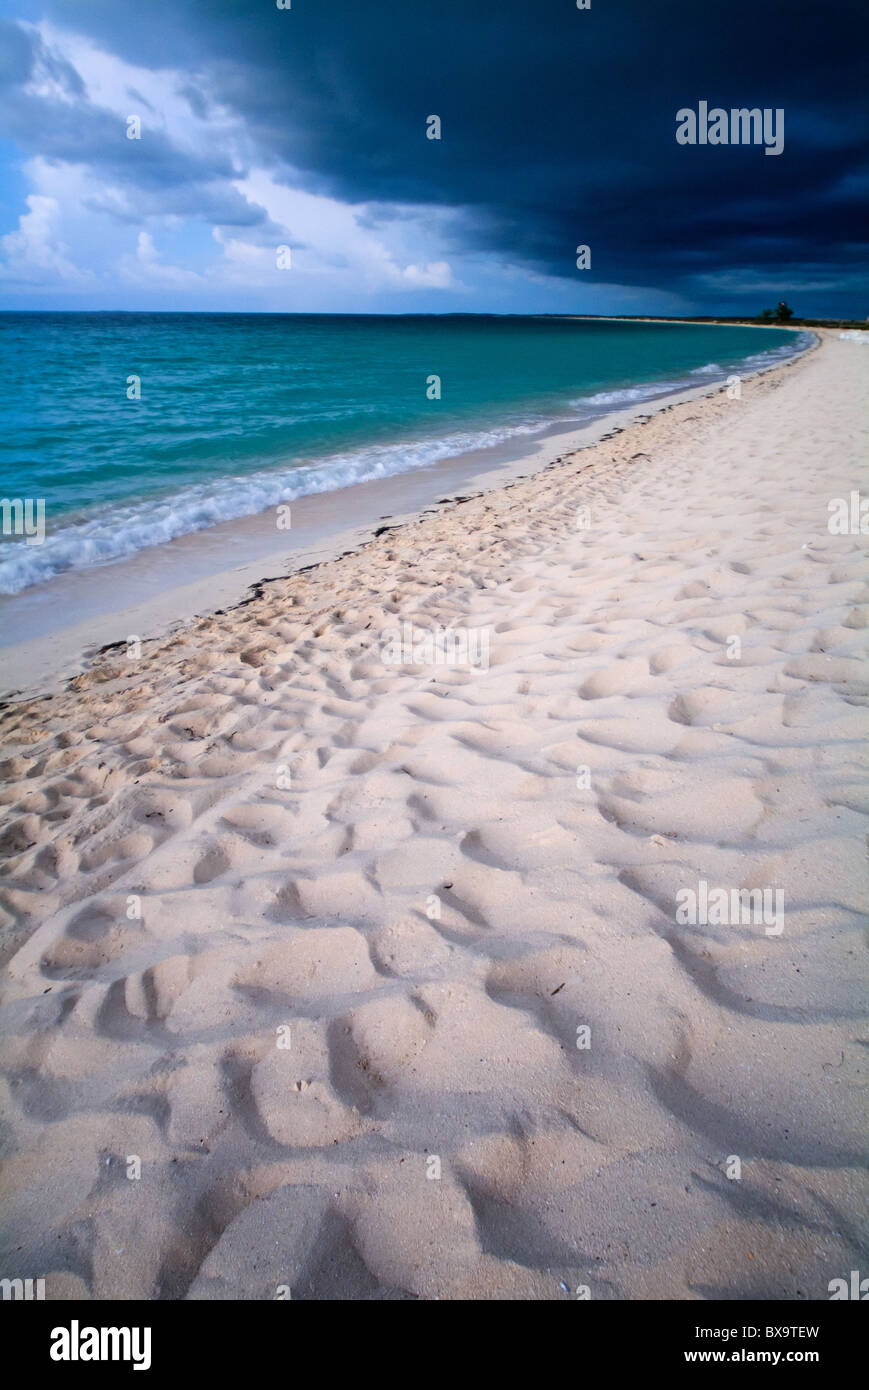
301,929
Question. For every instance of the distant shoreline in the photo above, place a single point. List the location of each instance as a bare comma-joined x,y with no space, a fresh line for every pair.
794,323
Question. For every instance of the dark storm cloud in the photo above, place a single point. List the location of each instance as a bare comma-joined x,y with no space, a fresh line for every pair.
558,124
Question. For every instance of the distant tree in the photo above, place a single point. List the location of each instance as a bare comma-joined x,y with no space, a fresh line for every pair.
765,316
783,312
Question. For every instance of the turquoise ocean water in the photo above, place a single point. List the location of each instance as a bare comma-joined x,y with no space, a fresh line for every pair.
239,412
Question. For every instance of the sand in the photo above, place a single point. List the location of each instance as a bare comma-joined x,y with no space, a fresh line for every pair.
330,977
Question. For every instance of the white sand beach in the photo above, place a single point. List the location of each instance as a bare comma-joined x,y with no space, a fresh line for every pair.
356,979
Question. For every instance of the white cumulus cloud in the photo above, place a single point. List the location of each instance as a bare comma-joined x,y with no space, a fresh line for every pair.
36,252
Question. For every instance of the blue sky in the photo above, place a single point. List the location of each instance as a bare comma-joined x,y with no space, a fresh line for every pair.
306,128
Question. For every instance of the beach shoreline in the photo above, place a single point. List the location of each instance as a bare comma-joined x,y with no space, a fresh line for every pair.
51,632
377,975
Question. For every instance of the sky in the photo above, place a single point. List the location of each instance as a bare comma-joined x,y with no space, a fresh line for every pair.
307,128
